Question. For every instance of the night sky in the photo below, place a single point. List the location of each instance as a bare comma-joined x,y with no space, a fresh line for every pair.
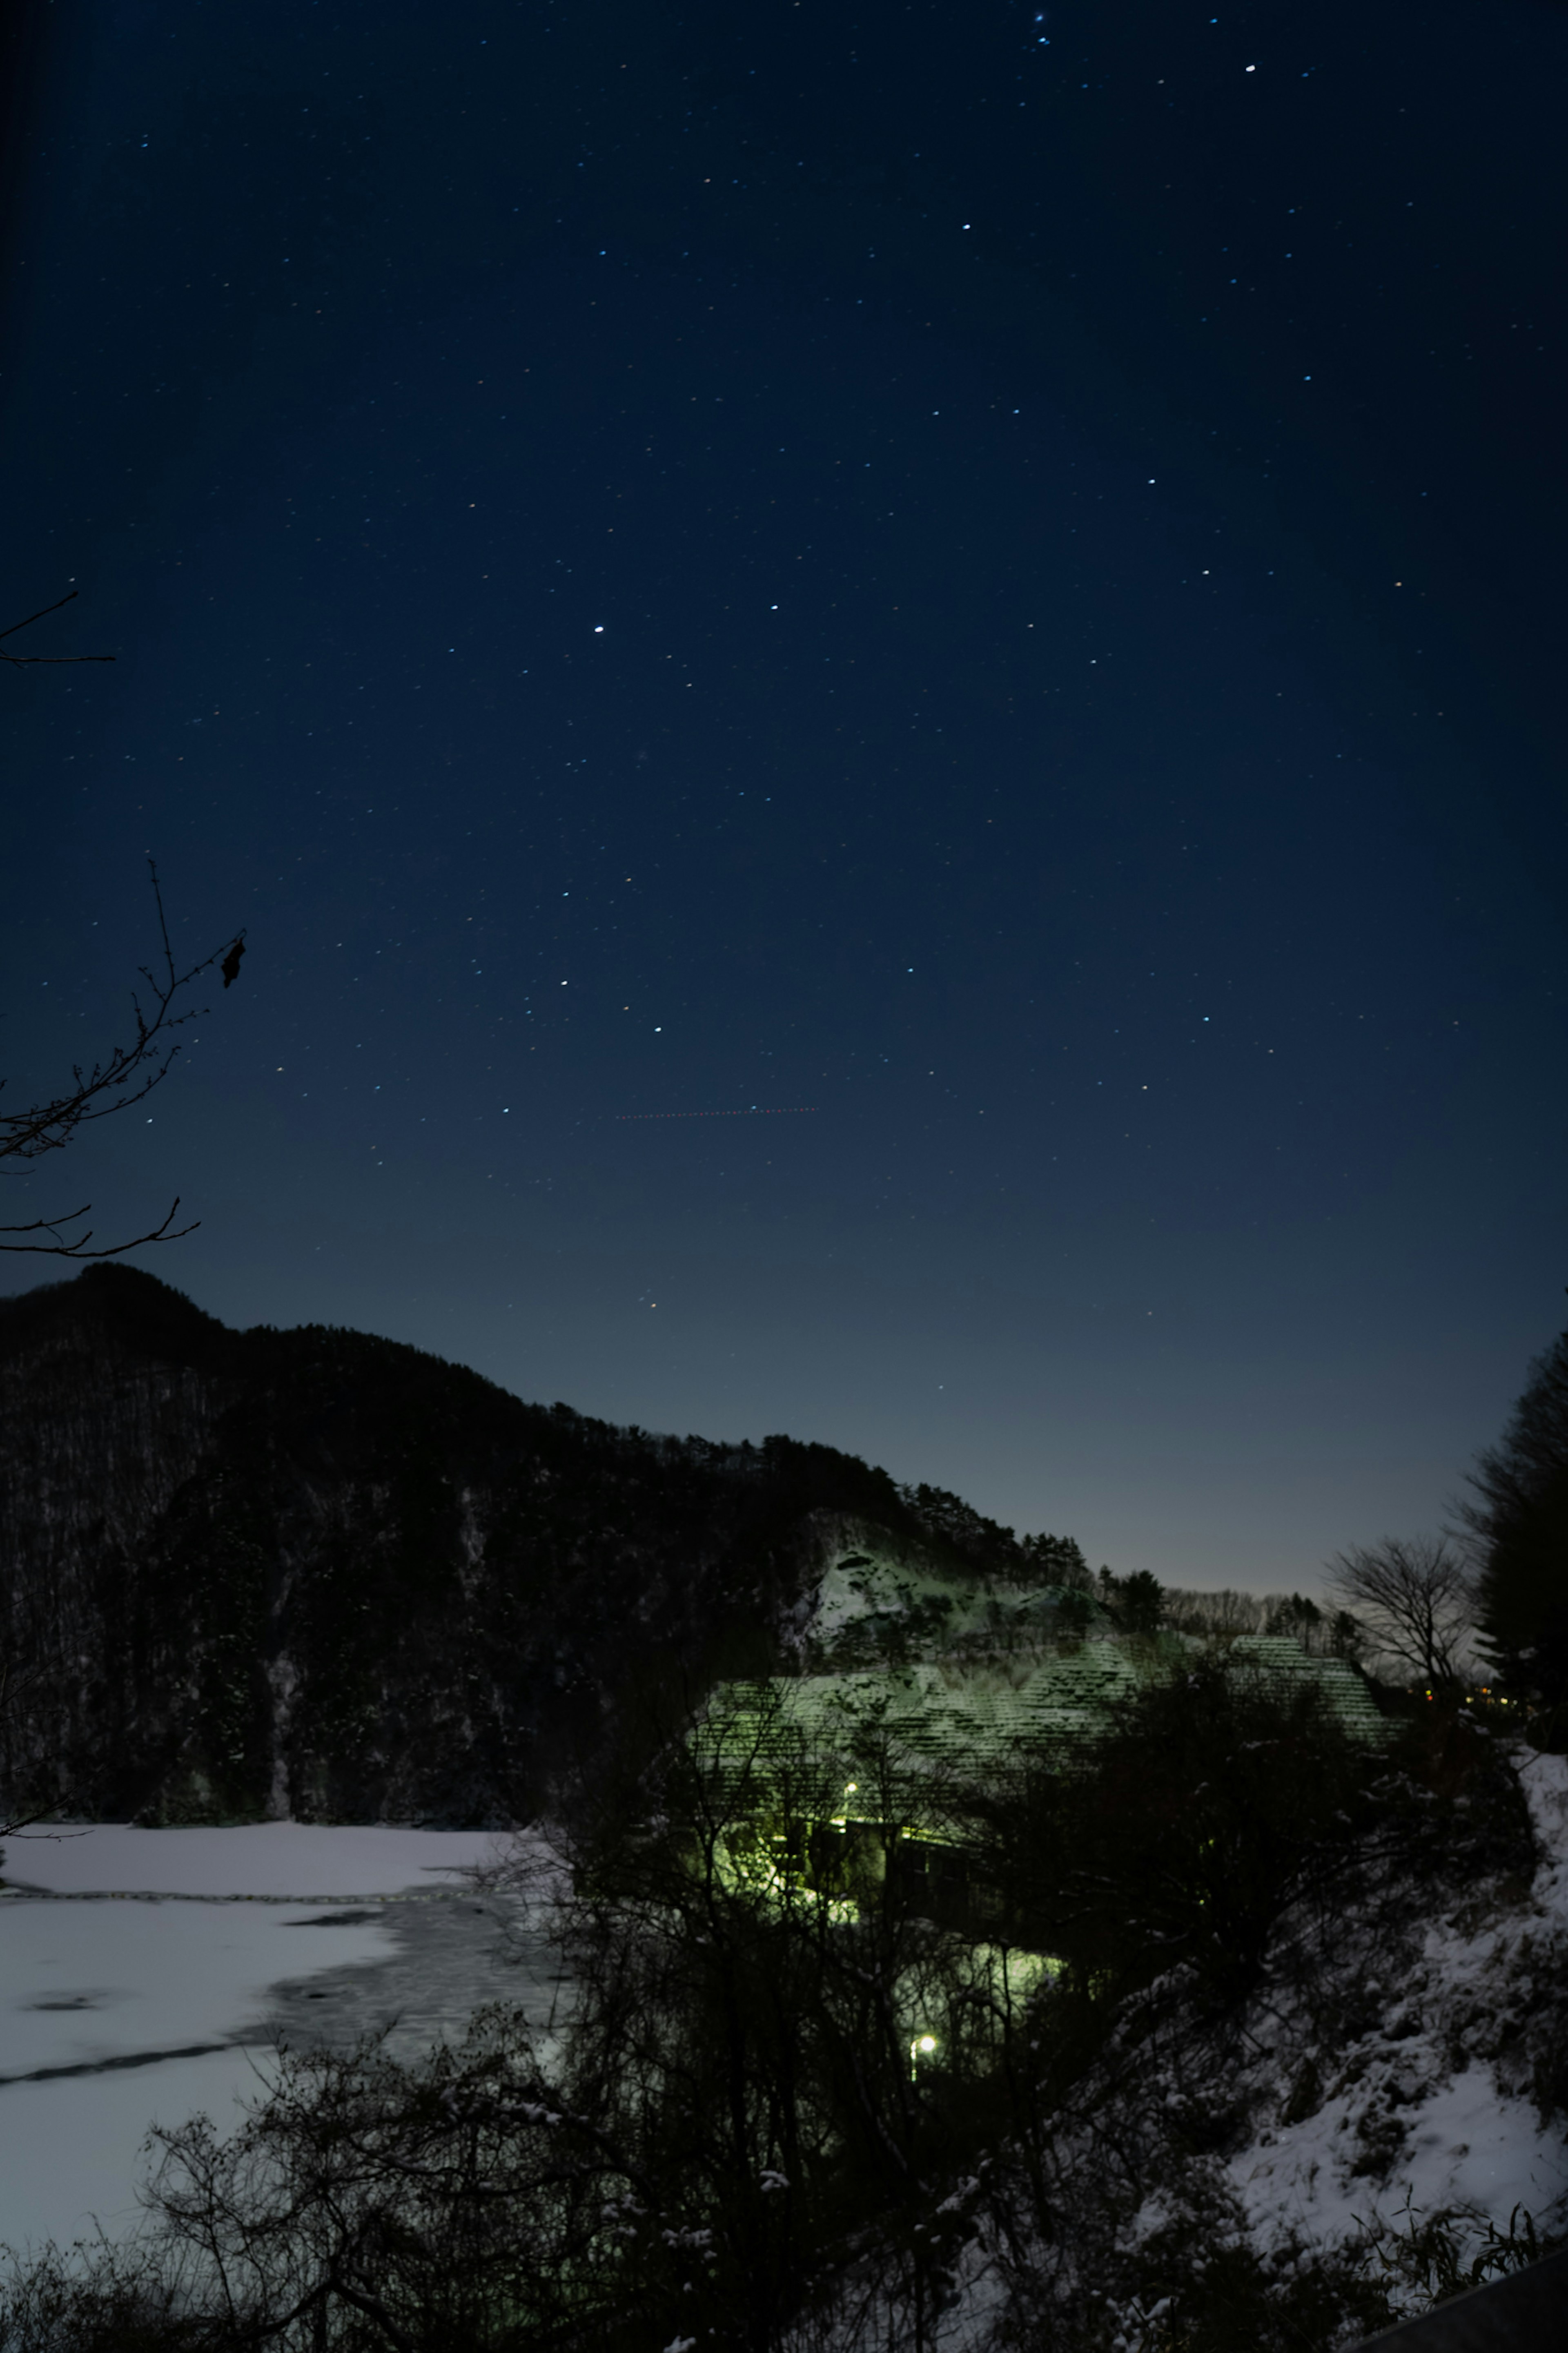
881,687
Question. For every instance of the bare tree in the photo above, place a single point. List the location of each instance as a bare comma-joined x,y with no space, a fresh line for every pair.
1412,1596
1224,1612
127,1073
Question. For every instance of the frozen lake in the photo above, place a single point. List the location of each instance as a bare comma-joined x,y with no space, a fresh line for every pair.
146,1974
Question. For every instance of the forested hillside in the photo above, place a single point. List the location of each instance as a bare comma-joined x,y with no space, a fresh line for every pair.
317,1574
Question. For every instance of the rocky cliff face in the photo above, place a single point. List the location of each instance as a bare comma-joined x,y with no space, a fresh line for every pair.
317,1574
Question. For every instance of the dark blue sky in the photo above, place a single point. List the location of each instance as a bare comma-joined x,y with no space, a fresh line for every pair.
986,582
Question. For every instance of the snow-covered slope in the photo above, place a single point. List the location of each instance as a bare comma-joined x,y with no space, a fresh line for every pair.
1387,2106
1434,2102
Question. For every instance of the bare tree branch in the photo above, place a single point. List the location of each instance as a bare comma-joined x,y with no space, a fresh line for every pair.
126,1076
31,661
59,1248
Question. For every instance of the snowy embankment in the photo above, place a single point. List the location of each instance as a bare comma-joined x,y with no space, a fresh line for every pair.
1388,2103
1444,2081
152,1993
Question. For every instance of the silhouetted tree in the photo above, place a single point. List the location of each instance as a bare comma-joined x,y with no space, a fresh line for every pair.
1133,1603
1412,1597
1332,1635
1058,1560
1521,1519
1224,1613
127,1071
126,1075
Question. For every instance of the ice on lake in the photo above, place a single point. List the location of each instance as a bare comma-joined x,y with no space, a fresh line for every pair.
311,1860
146,1974
105,1981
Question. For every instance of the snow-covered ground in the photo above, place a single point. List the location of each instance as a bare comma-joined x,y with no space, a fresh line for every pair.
1448,2059
1409,2080
156,1989
148,1982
